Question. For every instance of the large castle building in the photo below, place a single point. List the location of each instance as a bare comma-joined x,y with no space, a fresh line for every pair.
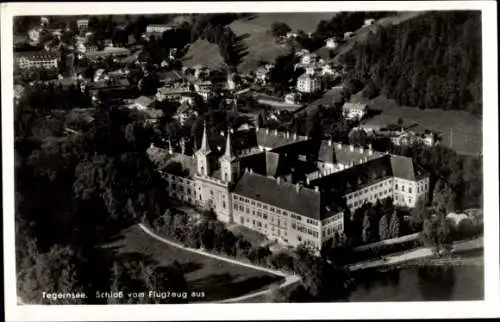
286,186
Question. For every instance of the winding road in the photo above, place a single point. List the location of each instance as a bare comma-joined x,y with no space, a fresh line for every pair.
289,278
422,252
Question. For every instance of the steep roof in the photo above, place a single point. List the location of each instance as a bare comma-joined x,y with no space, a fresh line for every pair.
284,195
144,101
354,106
336,152
36,55
172,163
356,177
403,167
368,173
272,139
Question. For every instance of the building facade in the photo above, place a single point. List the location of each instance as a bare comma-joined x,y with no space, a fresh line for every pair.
263,187
309,83
82,23
36,60
353,111
157,28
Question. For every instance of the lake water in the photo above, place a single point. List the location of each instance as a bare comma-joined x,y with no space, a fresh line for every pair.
421,283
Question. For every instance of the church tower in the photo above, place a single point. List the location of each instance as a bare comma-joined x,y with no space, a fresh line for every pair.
202,162
229,163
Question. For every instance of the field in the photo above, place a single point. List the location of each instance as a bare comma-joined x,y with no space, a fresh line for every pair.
204,53
219,280
459,130
261,44
256,39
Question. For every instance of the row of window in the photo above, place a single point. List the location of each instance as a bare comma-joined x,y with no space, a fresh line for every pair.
311,221
332,229
378,195
305,230
258,224
396,187
402,199
366,190
264,207
333,218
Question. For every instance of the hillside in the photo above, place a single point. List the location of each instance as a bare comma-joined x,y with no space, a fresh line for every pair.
260,43
432,62
202,52
257,43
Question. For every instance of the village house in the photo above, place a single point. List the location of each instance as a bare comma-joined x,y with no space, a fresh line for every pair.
409,138
263,73
309,83
204,89
158,28
293,98
331,43
180,94
185,112
141,103
308,59
348,34
36,60
233,81
354,111
106,52
82,23
368,22
201,72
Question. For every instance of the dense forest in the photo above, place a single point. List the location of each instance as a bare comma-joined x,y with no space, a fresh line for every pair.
432,61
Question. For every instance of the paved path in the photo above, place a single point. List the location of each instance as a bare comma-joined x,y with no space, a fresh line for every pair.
289,278
422,252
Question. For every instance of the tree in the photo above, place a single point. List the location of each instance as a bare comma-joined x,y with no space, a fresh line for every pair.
437,233
383,228
366,233
419,213
279,29
394,225
52,272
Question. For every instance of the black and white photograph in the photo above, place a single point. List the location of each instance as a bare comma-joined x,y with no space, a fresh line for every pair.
173,154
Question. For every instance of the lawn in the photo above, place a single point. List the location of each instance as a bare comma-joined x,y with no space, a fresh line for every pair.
219,280
258,43
261,44
204,53
459,130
